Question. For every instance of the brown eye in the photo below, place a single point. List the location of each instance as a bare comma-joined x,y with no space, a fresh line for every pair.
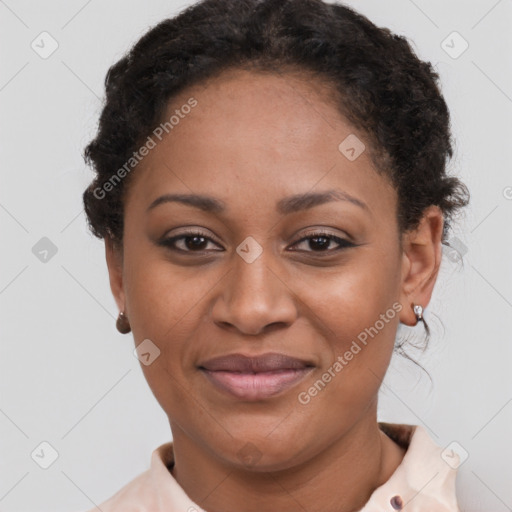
192,241
321,241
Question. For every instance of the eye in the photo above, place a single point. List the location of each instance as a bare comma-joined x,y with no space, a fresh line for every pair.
193,241
196,241
322,240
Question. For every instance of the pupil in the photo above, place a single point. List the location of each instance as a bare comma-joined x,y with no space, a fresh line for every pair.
321,245
195,244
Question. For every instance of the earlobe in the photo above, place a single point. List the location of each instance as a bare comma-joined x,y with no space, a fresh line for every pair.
421,262
114,257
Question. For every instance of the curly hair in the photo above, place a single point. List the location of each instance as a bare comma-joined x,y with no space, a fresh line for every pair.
381,87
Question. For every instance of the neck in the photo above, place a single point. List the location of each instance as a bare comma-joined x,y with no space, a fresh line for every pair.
339,479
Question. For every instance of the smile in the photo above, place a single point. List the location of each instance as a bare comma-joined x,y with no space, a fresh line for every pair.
256,386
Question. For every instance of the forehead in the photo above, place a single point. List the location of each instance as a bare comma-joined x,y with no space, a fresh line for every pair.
254,136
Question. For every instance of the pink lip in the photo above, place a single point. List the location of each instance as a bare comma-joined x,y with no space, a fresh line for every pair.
256,386
255,378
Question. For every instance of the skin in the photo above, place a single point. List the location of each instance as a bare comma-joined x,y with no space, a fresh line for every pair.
253,139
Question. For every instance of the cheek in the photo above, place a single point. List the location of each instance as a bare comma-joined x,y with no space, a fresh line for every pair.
165,307
164,300
358,324
357,314
168,305
352,299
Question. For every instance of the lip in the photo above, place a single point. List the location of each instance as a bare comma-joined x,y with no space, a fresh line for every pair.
255,377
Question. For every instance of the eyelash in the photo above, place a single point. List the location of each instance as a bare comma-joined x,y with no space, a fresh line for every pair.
344,244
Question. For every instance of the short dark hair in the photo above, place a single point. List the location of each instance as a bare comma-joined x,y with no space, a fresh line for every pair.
381,86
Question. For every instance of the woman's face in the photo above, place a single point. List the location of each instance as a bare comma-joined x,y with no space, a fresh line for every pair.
248,281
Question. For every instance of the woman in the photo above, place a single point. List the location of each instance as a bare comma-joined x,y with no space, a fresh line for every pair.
271,189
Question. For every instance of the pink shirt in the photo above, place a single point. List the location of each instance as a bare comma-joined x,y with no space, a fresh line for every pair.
423,482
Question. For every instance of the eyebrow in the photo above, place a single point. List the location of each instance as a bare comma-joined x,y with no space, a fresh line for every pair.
284,206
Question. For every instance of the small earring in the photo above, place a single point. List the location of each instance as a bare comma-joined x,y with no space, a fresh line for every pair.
122,323
418,311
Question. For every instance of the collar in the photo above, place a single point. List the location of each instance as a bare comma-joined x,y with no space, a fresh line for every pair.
421,483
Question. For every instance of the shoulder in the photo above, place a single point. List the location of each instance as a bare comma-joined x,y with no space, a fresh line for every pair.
147,491
133,497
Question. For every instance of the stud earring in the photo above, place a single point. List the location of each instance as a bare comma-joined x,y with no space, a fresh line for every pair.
122,323
418,311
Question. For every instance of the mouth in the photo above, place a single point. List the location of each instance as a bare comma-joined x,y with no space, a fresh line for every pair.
255,378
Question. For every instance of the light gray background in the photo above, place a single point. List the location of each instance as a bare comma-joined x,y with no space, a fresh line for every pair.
67,376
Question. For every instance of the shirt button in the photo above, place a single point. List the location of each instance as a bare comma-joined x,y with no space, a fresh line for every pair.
397,502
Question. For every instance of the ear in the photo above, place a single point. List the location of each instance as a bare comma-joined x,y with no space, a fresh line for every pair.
420,263
114,256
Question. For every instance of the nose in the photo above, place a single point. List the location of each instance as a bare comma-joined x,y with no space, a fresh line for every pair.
254,298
